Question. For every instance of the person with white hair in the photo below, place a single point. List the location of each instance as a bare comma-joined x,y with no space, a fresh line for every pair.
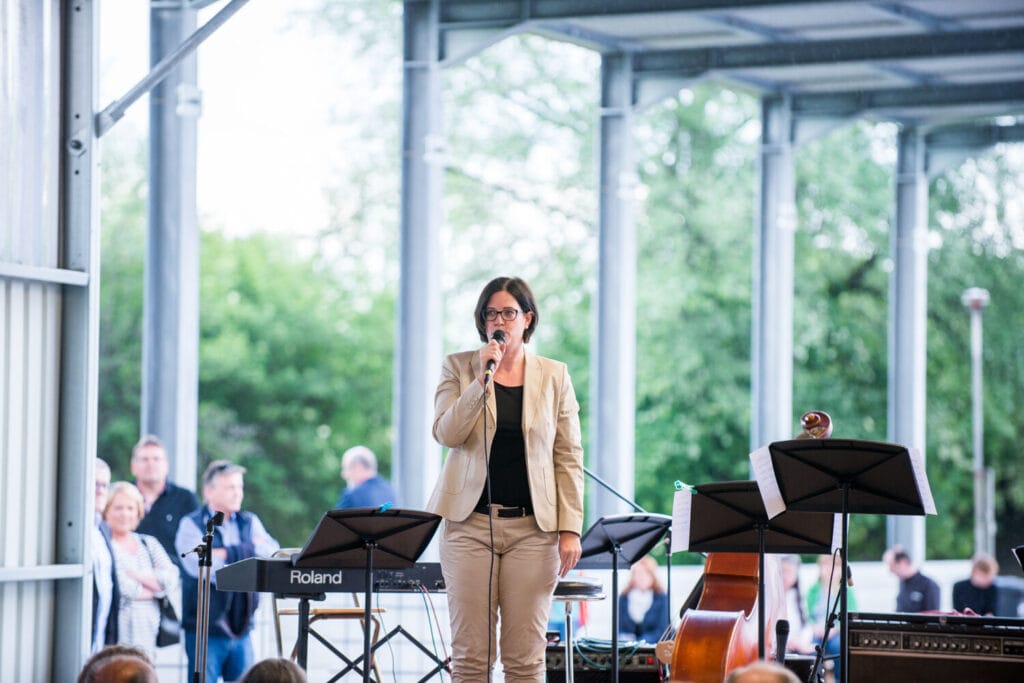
364,487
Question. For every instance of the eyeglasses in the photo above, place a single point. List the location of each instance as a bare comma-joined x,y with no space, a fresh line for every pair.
102,486
507,314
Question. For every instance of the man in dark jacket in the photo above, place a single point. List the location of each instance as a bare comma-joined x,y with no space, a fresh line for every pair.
165,502
363,486
241,535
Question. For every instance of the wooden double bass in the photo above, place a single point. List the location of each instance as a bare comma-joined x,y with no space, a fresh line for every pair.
721,632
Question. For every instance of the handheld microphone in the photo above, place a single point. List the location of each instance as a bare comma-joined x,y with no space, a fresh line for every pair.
498,336
781,636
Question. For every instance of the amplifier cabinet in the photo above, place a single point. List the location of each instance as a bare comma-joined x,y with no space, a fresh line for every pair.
636,665
935,647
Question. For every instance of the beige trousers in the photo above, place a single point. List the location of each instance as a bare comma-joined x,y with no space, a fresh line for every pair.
523,578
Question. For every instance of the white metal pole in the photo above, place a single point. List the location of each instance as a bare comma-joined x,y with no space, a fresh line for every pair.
975,299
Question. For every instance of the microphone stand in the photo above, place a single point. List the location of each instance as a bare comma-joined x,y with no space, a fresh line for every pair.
205,552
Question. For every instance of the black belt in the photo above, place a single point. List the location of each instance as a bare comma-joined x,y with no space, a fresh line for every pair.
500,511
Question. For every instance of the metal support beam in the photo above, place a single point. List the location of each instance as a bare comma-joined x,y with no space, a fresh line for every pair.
170,325
933,98
908,303
116,109
771,371
692,62
521,10
613,392
79,339
947,147
416,458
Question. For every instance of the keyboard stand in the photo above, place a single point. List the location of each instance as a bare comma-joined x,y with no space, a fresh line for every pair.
302,642
361,537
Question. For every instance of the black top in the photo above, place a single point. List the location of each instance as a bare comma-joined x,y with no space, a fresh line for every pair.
161,521
917,594
981,600
509,482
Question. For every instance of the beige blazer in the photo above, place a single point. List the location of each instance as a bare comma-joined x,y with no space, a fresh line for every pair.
551,430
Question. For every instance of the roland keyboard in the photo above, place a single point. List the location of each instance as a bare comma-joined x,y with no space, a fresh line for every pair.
278,575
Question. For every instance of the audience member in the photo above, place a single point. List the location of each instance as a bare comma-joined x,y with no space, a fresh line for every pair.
822,598
363,486
800,632
118,664
164,502
918,593
274,670
240,536
762,672
106,594
144,571
643,605
979,592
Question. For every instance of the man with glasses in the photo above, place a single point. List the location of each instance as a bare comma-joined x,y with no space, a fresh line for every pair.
165,503
240,536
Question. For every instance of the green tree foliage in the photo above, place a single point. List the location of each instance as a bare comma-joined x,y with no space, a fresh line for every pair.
294,368
295,361
297,335
977,240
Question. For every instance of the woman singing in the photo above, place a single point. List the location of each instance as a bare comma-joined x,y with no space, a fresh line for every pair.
511,490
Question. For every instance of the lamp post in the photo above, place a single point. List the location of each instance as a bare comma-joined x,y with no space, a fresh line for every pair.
975,299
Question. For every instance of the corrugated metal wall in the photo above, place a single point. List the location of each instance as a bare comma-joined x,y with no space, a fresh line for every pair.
32,286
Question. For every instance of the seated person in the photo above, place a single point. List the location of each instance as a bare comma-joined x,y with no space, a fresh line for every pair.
800,632
821,599
643,605
979,592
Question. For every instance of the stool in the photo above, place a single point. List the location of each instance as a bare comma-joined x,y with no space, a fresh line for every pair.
576,589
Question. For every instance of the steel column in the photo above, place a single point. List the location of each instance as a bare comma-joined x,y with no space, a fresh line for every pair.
170,331
908,304
771,373
613,391
416,459
79,339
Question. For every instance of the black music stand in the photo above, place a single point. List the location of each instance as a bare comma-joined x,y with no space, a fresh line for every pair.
358,537
628,536
729,517
844,476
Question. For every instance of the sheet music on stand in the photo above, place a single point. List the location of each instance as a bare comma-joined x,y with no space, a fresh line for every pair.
730,517
729,514
801,474
845,476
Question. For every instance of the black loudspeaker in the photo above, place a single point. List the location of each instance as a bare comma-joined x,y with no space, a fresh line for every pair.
636,665
931,648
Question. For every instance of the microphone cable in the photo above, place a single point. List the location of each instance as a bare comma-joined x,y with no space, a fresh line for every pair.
490,531
498,336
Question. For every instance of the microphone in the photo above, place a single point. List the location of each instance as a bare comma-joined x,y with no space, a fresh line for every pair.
498,336
216,520
781,636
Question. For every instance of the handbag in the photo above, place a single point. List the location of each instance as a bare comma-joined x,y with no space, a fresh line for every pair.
169,631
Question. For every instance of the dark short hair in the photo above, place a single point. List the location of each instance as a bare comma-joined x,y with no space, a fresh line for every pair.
124,653
219,467
274,670
518,289
901,556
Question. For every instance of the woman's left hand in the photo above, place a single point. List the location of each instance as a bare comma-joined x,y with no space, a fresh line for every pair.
569,551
